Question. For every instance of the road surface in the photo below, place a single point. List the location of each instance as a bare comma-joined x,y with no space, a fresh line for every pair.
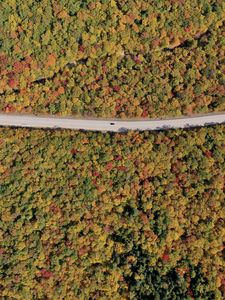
116,125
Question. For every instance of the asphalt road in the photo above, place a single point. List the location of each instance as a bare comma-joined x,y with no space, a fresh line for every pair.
117,125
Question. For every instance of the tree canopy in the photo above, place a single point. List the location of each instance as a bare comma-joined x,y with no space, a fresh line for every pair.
87,215
109,58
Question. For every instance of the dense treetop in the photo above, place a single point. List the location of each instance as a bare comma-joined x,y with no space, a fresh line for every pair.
126,58
112,216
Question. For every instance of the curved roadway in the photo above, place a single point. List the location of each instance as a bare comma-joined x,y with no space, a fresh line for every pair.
116,125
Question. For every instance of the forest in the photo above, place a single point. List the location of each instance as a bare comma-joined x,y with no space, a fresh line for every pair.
108,58
87,215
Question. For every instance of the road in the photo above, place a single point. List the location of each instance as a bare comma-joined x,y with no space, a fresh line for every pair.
116,125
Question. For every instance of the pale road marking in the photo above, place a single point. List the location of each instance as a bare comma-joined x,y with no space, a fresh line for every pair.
116,125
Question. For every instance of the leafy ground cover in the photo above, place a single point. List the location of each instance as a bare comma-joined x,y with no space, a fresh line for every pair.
112,58
112,216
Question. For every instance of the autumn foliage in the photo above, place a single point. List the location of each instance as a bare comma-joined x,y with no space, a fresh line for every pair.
110,58
112,216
